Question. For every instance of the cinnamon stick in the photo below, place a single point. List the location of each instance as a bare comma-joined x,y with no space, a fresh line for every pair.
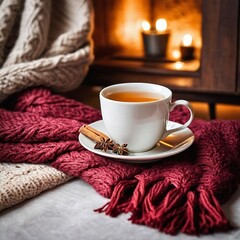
93,134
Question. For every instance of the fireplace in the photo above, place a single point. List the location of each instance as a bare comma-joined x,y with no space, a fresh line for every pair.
122,23
211,74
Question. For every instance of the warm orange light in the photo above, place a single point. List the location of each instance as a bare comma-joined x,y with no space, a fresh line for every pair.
179,65
187,40
145,26
161,24
176,54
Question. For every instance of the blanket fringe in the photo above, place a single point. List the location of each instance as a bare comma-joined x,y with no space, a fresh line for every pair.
163,211
169,209
211,215
120,198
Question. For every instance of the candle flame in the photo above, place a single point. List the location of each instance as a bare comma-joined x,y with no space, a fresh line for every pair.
187,40
176,54
161,24
146,26
179,65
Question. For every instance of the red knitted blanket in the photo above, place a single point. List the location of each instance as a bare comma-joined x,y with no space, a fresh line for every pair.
182,193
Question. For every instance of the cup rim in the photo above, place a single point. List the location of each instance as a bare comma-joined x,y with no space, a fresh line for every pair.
121,85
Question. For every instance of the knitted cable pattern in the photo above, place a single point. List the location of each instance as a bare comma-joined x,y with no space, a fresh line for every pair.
44,43
182,193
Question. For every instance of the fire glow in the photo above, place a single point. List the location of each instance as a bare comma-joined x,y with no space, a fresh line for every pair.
160,25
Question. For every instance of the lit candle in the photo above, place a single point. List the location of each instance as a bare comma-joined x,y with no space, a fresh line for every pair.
155,40
161,25
187,48
146,26
179,65
176,54
187,40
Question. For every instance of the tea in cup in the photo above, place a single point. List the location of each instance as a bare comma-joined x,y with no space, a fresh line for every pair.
137,114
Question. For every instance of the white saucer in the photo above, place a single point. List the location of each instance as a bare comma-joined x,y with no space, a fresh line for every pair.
177,142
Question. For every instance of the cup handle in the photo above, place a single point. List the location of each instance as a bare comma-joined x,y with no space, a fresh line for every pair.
171,107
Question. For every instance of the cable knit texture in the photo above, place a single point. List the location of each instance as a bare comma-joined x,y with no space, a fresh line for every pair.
44,43
181,193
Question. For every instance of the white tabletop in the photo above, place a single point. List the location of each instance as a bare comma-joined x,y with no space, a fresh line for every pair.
66,213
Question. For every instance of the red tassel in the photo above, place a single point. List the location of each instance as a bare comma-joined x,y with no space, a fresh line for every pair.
120,198
189,226
102,209
163,208
169,209
173,222
150,201
211,215
138,196
154,197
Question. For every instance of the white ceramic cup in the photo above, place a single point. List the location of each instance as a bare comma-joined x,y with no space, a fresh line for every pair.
140,125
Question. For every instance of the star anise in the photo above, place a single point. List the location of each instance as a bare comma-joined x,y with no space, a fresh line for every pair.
120,149
104,144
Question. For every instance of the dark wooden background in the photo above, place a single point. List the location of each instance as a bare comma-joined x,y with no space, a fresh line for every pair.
213,76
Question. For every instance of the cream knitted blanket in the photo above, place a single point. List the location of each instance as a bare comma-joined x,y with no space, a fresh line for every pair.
44,43
19,182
